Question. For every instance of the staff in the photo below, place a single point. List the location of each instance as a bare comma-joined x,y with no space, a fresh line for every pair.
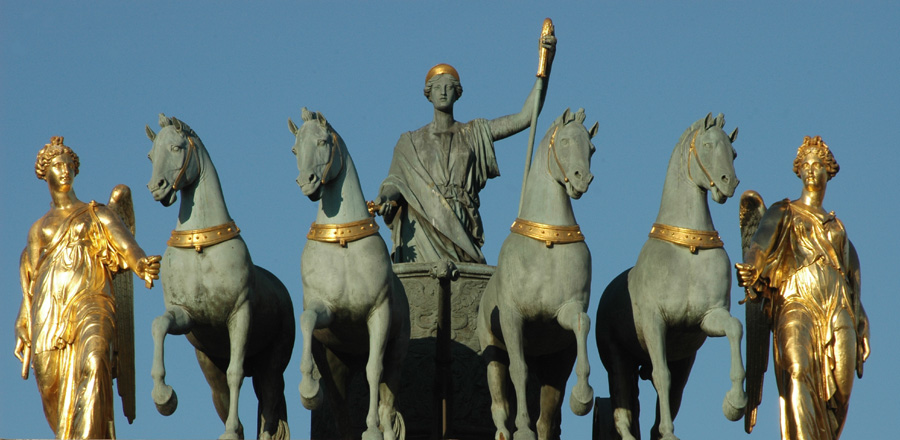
544,62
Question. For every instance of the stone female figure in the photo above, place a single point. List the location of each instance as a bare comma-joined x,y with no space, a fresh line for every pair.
438,170
802,277
68,318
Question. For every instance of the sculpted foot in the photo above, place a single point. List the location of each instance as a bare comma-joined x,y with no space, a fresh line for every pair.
231,436
582,399
734,404
502,434
165,399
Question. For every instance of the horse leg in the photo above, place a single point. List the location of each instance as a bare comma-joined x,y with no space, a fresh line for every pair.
680,370
622,376
497,362
315,315
511,324
719,322
335,374
655,339
573,318
553,372
238,329
391,420
268,384
218,384
379,325
175,321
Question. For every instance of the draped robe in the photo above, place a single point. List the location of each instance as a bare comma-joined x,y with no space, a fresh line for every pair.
439,177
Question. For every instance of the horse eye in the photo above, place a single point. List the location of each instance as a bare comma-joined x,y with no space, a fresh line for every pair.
149,158
175,148
294,150
707,145
321,142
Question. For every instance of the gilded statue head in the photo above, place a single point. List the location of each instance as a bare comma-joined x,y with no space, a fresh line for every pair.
815,145
442,69
50,151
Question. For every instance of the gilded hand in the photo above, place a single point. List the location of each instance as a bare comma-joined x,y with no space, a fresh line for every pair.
747,274
148,269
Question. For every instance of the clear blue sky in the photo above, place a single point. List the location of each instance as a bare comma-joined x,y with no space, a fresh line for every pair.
98,72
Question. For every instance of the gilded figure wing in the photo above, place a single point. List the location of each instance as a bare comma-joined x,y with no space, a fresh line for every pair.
123,286
752,209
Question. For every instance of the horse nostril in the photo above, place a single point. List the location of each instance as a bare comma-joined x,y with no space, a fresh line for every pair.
725,178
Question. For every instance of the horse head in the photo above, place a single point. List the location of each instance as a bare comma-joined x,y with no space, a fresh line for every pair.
709,157
569,151
317,147
175,158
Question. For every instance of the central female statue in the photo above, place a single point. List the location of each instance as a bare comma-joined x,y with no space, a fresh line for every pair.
438,170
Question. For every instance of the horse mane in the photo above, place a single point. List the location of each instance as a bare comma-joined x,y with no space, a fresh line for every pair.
307,116
567,117
179,126
705,123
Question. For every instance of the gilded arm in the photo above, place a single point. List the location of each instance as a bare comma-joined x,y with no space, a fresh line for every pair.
146,267
27,263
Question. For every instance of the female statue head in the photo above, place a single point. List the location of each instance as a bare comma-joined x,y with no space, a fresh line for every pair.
816,146
436,73
49,152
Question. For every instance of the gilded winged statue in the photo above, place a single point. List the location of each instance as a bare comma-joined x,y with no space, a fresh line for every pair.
75,326
802,278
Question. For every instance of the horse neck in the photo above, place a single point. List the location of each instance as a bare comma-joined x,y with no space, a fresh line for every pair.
545,199
684,204
202,203
342,198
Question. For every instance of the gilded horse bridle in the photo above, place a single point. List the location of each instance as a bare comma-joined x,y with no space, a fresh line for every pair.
693,151
187,161
334,151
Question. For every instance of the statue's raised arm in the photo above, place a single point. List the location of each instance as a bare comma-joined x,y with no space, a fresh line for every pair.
430,197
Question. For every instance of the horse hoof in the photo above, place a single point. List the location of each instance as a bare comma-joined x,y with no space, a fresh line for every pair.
373,434
165,399
311,394
733,407
582,400
230,436
524,434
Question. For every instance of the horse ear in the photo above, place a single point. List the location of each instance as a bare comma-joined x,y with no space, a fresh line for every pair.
709,122
322,121
579,116
593,131
163,120
150,133
292,127
306,114
720,120
733,135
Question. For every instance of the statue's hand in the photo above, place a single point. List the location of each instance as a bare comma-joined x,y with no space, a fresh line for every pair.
862,331
747,274
23,339
148,269
549,42
386,207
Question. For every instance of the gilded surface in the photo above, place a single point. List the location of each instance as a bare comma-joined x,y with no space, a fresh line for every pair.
67,321
801,262
198,238
549,234
343,233
690,238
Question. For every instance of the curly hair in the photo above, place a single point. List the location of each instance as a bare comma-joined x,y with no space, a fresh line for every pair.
816,146
456,85
50,151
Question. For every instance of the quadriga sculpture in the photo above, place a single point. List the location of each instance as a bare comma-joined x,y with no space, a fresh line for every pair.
238,316
535,303
652,319
353,304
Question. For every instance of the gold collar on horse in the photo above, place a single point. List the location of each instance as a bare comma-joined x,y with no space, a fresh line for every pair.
691,238
549,234
200,238
343,233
